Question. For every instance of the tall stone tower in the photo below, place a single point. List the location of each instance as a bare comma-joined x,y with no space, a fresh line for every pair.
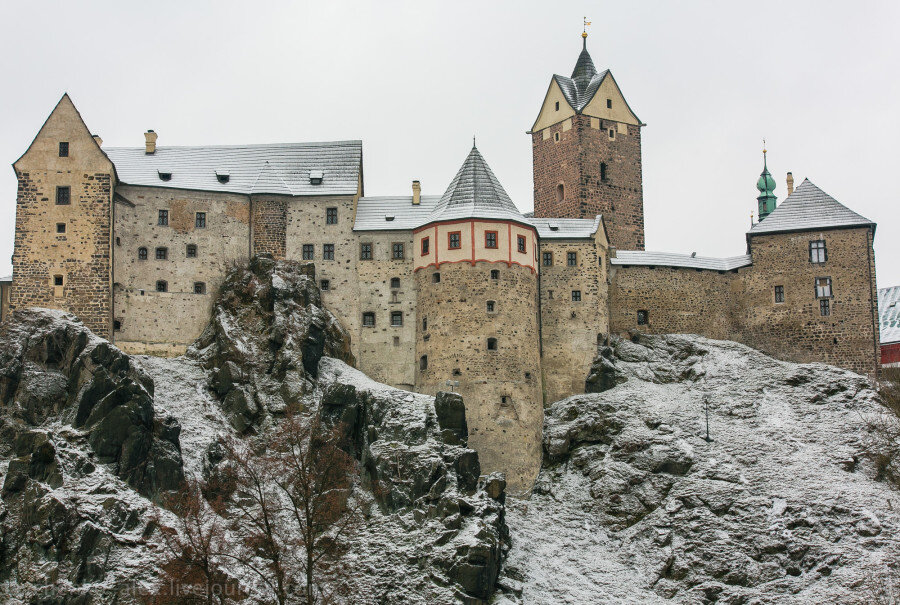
586,145
477,308
64,216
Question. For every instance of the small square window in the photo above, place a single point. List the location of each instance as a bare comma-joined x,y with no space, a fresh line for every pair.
454,240
60,227
142,254
191,251
331,216
63,196
117,325
825,307
490,306
491,344
200,221
162,286
779,294
308,251
521,243
548,259
490,239
369,319
396,318
199,287
643,318
495,273
425,246
63,149
435,278
612,134
328,252
572,259
57,280
395,283
324,285
162,218
365,251
162,253
576,295
397,251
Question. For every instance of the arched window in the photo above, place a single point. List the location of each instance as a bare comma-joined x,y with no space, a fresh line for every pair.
560,192
395,282
423,362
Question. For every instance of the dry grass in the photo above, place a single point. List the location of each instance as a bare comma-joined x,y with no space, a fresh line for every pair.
886,429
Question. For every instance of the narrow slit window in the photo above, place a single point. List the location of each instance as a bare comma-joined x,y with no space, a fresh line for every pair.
603,171
560,192
423,362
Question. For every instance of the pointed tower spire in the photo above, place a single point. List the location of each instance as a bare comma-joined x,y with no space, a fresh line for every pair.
584,67
766,187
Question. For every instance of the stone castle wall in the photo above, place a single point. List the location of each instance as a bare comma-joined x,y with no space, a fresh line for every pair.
5,287
574,161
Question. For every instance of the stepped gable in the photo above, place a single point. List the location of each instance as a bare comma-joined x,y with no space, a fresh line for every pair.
809,208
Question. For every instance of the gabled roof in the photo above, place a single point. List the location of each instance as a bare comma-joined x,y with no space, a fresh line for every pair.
579,93
393,212
282,169
889,314
475,193
809,208
668,259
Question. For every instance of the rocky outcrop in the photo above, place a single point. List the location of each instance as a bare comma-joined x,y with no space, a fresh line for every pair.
633,504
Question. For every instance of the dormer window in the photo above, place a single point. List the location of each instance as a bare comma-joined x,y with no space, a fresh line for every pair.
223,176
554,226
389,218
315,177
164,175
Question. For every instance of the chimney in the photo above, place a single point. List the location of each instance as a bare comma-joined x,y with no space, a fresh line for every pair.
150,142
98,139
417,193
790,183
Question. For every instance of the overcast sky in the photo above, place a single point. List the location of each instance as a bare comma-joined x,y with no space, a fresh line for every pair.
415,80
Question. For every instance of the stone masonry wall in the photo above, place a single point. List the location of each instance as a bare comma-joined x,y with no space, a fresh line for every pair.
4,299
501,388
270,225
574,161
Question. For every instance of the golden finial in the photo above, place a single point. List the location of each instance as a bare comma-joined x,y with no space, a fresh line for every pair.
584,30
764,147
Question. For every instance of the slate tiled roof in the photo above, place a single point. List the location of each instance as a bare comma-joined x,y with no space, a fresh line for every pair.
809,208
372,212
581,87
565,228
889,314
666,259
280,169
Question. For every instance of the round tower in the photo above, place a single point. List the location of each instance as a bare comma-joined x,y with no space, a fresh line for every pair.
477,307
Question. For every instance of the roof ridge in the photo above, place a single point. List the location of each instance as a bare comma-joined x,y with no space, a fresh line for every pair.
245,145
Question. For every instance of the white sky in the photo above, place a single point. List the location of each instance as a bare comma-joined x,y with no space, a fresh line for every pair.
415,80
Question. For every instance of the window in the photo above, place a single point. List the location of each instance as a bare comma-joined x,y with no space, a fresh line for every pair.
556,137
308,251
425,246
548,259
572,259
453,240
57,280
495,273
200,221
557,106
424,323
162,253
328,252
435,278
423,362
395,282
369,319
365,251
396,318
117,324
823,287
492,344
560,192
576,295
324,285
825,307
603,169
199,287
643,318
490,239
609,103
63,149
491,305
142,254
520,239
162,286
397,251
612,134
162,218
60,227
396,341
817,251
779,294
191,251
165,176
331,216
63,196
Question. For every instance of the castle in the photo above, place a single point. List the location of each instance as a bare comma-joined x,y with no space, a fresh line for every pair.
461,288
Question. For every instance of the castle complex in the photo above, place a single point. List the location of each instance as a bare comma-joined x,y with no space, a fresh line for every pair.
463,287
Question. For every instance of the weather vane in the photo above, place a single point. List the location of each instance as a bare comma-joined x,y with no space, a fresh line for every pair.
584,30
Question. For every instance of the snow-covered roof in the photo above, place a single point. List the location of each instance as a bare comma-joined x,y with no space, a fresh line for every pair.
668,259
889,314
285,169
565,228
809,208
8,278
393,212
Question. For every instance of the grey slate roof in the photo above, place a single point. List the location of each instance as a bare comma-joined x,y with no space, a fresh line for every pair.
565,228
809,208
279,169
581,87
667,259
372,212
889,314
475,193
8,278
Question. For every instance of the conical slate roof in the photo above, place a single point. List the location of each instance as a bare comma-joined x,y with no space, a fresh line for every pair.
809,208
584,68
475,193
